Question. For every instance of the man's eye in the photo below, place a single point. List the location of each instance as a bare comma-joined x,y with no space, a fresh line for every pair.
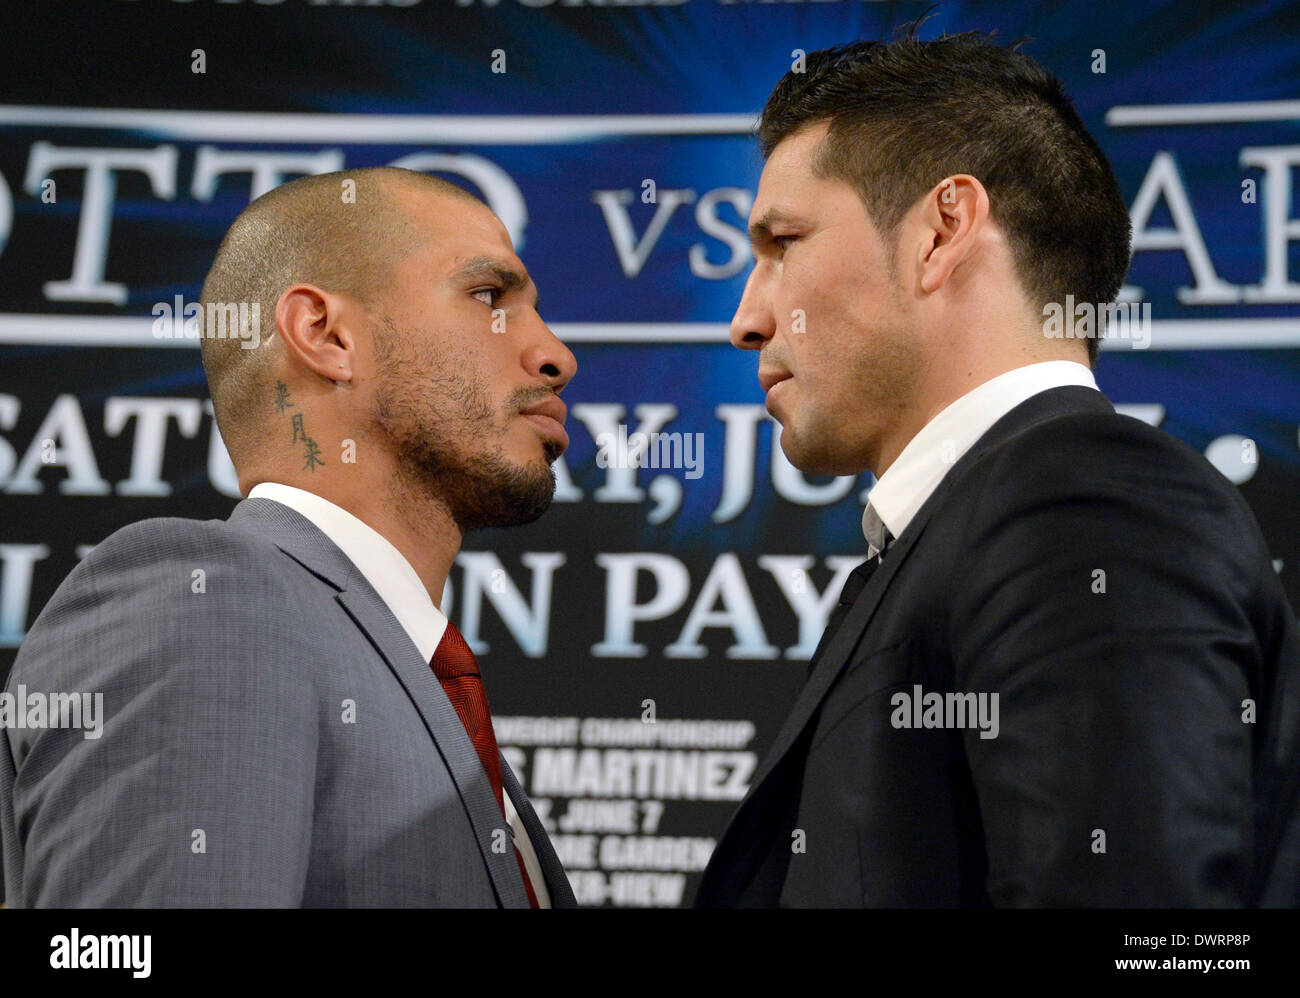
491,294
782,242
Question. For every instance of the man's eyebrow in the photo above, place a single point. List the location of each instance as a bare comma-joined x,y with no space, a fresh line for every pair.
761,231
487,267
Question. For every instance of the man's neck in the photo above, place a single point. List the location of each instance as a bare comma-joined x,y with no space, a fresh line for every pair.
422,528
961,380
418,525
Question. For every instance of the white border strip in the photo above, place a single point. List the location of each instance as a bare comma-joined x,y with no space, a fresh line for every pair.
137,331
1203,114
352,129
1218,334
349,129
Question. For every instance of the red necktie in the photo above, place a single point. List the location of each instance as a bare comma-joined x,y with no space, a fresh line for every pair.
457,669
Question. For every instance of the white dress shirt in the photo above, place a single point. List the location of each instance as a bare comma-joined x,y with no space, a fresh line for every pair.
907,483
398,585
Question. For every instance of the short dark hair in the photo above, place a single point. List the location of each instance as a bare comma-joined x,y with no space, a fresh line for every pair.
906,114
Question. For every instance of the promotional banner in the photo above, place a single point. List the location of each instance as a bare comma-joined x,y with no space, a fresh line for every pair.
642,642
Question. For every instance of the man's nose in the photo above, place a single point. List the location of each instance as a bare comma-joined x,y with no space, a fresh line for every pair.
753,324
549,360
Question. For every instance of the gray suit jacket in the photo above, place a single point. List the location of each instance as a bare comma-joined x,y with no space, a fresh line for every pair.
271,737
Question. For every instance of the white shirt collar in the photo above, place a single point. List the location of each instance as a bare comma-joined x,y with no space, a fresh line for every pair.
907,483
385,568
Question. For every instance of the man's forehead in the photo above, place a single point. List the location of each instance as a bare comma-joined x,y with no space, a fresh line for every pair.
788,184
794,155
443,211
460,231
791,192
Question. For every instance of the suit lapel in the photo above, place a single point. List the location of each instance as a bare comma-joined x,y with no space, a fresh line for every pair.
446,730
297,537
557,881
834,651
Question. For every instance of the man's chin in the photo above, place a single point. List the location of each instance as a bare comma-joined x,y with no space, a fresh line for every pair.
816,457
509,501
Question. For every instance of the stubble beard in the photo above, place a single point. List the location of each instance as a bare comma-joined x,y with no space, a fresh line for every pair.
436,418
880,390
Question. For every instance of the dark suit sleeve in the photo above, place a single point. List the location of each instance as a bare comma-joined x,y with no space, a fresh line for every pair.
1107,603
199,790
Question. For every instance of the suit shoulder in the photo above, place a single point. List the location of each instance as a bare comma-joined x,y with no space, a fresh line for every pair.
163,538
172,584
148,554
1115,479
1100,451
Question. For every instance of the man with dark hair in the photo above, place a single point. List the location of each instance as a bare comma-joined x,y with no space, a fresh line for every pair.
291,719
1067,673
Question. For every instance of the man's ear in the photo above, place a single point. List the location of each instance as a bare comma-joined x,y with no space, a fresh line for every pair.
952,218
317,329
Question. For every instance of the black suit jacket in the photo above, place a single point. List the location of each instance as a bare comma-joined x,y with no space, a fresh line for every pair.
1128,768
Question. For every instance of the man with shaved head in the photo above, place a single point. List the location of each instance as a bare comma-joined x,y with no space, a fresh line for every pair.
291,720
